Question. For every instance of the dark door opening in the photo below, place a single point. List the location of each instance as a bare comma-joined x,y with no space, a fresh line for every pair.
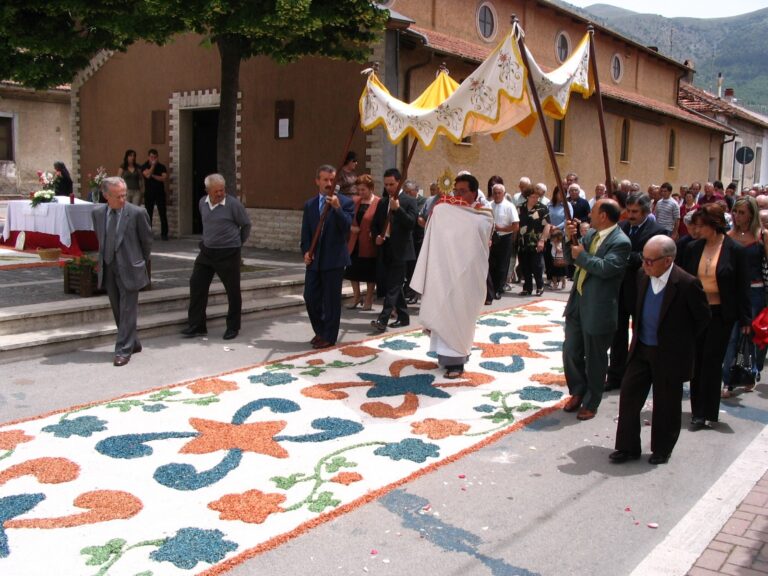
204,127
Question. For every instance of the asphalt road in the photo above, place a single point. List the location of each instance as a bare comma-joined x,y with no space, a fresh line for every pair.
543,500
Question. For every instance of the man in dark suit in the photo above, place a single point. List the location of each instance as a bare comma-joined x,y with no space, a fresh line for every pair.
639,228
591,313
671,310
325,266
125,243
392,229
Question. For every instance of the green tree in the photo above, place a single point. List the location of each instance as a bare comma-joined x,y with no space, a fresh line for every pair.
45,42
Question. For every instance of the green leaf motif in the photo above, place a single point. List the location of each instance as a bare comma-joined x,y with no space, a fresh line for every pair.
339,364
499,417
125,405
163,394
280,366
338,463
286,482
145,573
525,406
324,500
315,371
495,396
201,401
102,554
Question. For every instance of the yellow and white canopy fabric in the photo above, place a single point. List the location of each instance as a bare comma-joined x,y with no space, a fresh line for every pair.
493,99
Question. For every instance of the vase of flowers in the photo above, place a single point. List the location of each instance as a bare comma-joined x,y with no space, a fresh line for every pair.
42,197
80,276
94,184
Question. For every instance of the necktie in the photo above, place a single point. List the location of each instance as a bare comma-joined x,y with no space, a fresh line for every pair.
582,271
632,231
109,242
322,203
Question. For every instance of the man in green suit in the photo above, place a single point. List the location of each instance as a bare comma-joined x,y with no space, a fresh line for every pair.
591,315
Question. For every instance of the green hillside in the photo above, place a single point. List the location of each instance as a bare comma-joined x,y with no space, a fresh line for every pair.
736,46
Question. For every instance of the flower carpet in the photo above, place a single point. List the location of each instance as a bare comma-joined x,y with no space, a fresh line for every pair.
11,259
197,477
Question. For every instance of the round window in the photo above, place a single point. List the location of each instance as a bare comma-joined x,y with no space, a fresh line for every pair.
562,47
617,68
486,21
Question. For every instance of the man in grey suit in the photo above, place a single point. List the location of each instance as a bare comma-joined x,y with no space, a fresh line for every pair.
125,243
591,315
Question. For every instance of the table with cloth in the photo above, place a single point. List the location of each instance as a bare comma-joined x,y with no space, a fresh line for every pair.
52,225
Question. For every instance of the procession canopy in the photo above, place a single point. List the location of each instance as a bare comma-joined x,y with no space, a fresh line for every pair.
493,99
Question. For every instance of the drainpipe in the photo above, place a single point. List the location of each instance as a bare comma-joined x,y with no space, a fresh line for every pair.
722,151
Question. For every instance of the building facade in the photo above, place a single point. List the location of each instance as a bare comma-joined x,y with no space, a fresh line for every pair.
293,118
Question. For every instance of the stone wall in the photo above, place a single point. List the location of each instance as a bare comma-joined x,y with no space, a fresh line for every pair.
275,229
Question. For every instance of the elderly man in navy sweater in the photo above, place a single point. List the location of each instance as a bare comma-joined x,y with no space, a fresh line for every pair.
225,229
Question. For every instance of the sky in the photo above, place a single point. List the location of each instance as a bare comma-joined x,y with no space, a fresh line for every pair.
690,8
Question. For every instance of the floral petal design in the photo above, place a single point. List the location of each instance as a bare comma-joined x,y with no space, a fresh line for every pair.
411,449
83,426
346,478
398,345
214,436
12,438
435,429
272,378
253,506
192,545
539,394
212,386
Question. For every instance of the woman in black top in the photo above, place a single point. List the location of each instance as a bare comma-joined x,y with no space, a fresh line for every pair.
62,184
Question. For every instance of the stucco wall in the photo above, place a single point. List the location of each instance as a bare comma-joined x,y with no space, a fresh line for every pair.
41,135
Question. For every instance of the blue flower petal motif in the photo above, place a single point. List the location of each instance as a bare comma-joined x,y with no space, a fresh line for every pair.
398,345
83,426
192,545
411,449
398,385
492,322
486,408
497,337
539,394
517,364
552,346
153,407
272,378
432,354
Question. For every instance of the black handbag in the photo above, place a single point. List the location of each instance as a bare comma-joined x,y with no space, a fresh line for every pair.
741,369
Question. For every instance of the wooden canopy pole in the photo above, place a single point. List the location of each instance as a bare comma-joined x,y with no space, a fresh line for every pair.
403,178
542,120
593,63
327,207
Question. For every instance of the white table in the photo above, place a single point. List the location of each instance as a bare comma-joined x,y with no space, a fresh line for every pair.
56,218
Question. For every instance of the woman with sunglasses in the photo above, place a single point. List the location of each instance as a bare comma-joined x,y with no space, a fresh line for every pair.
720,263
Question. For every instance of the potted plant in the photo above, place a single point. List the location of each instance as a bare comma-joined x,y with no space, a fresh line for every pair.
80,276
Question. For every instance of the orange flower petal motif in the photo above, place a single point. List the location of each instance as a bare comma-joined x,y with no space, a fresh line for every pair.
212,386
215,436
12,438
315,362
359,351
548,378
253,506
436,429
346,478
535,308
538,328
512,349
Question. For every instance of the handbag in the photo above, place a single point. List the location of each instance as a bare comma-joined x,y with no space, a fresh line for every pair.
741,369
760,329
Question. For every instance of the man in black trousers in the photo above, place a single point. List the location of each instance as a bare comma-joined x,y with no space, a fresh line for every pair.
226,227
671,310
639,228
392,230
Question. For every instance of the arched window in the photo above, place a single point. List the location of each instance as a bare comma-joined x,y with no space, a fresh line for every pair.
624,140
672,149
486,21
562,46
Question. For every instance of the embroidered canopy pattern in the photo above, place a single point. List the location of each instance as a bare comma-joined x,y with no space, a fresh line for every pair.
199,476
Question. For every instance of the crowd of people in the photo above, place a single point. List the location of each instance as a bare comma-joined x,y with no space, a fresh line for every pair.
687,270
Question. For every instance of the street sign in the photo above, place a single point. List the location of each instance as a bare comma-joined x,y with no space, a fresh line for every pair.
745,155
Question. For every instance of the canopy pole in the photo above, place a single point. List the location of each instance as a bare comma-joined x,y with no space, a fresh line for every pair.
600,114
542,120
327,207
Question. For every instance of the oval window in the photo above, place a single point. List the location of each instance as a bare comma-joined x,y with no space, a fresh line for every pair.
562,47
617,68
486,21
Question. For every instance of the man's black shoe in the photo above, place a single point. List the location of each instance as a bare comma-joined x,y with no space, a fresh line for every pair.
657,459
378,326
399,324
229,334
498,295
193,332
610,385
621,456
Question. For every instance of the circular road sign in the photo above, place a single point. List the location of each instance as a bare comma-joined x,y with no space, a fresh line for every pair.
745,155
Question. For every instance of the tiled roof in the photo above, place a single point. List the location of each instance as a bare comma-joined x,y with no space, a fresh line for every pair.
464,49
702,101
16,86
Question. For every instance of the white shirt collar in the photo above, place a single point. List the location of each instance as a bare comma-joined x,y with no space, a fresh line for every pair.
658,284
604,232
213,206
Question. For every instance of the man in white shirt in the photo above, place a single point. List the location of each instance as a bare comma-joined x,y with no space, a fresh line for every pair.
599,193
667,211
506,224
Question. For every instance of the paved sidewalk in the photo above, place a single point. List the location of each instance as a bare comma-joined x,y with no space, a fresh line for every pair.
741,546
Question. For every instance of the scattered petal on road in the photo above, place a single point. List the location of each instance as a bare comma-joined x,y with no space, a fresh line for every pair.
652,525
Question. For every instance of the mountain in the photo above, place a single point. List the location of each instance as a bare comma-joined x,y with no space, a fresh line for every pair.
736,46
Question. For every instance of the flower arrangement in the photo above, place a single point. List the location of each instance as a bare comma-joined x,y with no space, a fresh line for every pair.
81,263
47,180
94,181
43,196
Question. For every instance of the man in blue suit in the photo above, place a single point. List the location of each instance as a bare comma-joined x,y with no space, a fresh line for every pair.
325,266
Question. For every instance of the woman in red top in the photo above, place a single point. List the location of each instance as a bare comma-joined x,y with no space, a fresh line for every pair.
361,246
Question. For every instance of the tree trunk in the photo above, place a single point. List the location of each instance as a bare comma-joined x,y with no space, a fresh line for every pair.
231,55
